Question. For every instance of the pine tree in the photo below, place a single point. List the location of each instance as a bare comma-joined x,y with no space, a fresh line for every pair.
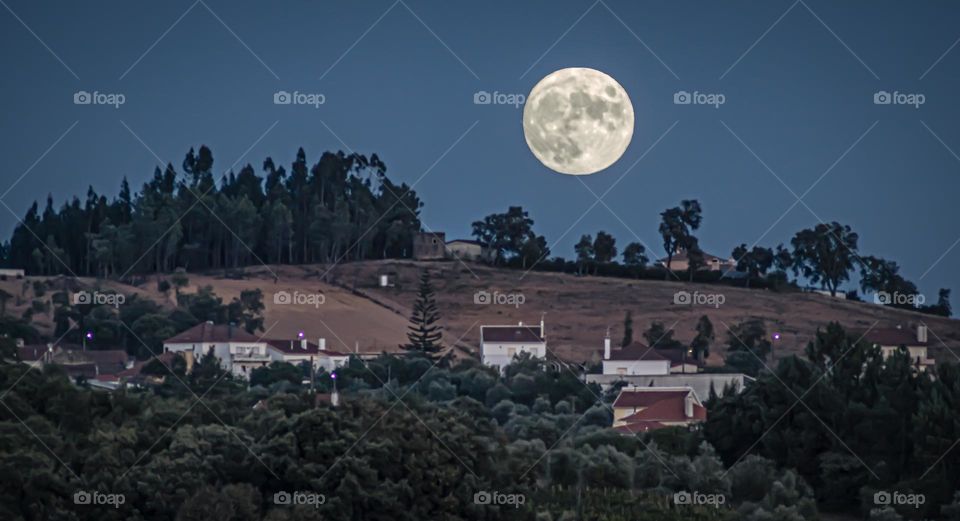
627,330
424,333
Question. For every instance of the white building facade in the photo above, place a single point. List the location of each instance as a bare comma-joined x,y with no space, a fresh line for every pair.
500,344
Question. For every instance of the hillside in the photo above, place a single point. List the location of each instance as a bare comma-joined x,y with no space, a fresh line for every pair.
579,309
357,312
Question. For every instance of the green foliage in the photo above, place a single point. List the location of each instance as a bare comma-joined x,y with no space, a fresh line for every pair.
425,334
341,207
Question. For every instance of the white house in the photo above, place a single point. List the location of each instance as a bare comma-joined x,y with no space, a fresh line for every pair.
467,250
634,359
638,359
499,344
680,261
239,352
889,340
643,409
298,351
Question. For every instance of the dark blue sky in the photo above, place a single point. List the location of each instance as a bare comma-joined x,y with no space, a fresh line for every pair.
801,98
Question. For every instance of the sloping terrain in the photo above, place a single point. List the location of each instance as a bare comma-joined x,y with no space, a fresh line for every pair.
577,310
357,312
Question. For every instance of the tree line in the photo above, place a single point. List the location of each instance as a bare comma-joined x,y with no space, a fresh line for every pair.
342,207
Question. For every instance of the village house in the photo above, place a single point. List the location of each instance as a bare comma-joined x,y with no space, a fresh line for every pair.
681,262
499,344
889,340
639,359
241,352
429,246
468,250
643,409
298,351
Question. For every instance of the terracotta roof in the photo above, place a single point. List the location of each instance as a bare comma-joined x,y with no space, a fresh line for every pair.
666,410
647,396
511,334
108,361
466,241
294,347
636,351
209,332
32,352
893,336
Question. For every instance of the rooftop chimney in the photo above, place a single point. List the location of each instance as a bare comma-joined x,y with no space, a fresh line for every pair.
921,333
303,344
543,331
606,345
322,344
688,406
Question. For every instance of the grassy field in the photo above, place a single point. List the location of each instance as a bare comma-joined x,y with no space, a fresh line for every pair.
356,312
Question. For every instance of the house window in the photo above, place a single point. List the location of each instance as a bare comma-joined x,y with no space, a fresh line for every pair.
621,371
511,351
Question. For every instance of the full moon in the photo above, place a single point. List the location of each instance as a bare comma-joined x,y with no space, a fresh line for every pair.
578,121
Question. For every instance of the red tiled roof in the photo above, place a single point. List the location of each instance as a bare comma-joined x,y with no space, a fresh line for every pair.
108,361
893,336
667,410
32,352
511,334
294,347
647,396
208,332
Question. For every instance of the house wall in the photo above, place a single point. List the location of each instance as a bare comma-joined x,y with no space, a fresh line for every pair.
501,354
465,251
226,352
429,246
636,367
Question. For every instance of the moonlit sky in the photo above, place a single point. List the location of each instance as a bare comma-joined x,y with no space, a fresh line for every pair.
799,98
